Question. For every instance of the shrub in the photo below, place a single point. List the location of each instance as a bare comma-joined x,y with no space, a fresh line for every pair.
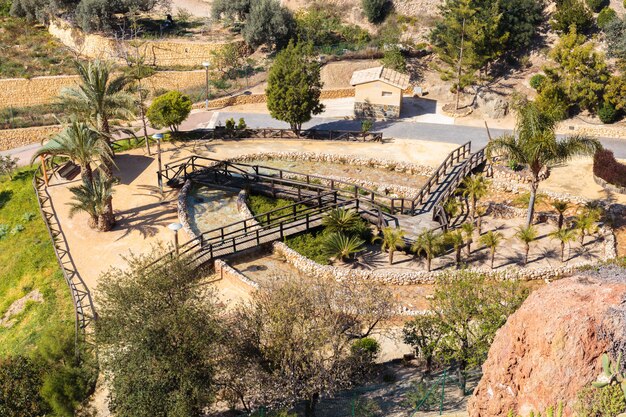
394,59
169,109
367,346
375,10
606,16
20,379
269,24
241,125
230,124
537,80
310,245
572,12
17,229
8,164
342,247
597,5
5,7
366,125
606,167
607,113
4,231
596,402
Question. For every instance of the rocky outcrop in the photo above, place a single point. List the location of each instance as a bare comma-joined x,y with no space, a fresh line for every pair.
549,349
492,105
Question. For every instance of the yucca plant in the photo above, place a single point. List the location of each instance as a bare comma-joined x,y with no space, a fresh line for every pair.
92,197
340,220
430,244
342,247
392,239
527,235
563,236
475,188
560,206
585,224
455,239
492,240
468,234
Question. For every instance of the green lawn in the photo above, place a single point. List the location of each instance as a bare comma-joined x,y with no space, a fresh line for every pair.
27,262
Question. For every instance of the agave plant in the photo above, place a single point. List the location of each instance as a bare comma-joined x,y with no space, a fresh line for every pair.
611,373
339,246
92,197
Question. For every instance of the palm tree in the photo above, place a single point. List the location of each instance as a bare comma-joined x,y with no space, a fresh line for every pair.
492,240
527,235
585,224
340,246
468,233
535,144
429,243
452,207
392,240
456,240
341,220
99,97
480,212
92,197
474,188
82,144
560,206
563,236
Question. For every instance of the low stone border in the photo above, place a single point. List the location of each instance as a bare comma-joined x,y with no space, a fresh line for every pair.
517,188
501,172
223,269
183,212
402,167
608,186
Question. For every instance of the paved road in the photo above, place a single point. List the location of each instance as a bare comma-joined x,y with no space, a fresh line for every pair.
393,129
406,130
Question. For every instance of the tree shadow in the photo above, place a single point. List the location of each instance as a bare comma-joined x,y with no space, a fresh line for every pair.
147,219
5,196
131,166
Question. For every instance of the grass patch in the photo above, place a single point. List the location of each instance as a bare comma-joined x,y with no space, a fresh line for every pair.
43,115
27,262
310,245
28,50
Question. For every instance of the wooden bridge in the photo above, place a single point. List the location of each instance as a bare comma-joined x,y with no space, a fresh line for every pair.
314,197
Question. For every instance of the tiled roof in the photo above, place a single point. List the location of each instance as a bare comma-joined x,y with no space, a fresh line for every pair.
383,74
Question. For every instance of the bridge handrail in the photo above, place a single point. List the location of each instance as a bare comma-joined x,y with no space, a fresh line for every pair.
84,309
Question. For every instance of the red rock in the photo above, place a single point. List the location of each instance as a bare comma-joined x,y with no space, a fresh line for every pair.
549,349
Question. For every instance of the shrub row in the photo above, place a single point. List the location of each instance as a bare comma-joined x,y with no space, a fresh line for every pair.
605,166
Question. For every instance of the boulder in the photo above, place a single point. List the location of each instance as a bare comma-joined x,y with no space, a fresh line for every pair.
550,348
492,105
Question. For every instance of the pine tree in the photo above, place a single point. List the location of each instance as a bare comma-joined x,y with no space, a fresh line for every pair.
294,86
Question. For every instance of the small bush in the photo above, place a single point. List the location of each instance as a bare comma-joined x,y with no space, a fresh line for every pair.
20,379
366,125
600,402
606,16
4,231
537,80
26,217
367,346
607,113
375,10
606,167
17,229
597,5
394,59
310,245
572,12
242,124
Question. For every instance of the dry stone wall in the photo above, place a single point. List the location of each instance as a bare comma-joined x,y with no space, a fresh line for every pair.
160,52
15,138
261,98
602,131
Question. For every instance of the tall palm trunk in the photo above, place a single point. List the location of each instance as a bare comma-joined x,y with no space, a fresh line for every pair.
86,172
458,257
106,220
533,197
562,251
493,255
391,256
429,260
561,219
527,249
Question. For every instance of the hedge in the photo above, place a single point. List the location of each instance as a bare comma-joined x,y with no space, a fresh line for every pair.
606,167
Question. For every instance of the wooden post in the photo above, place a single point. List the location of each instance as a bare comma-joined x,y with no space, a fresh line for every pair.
43,170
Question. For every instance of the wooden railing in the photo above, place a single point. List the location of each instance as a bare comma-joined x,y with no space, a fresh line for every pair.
316,134
84,310
475,160
410,207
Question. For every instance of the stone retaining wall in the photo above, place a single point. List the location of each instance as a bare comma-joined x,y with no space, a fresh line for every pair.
518,188
157,52
15,138
617,131
261,98
183,210
20,92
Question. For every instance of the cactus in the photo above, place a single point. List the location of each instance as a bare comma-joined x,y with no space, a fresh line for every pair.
611,373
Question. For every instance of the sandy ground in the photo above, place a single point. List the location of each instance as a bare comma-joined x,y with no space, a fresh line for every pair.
143,215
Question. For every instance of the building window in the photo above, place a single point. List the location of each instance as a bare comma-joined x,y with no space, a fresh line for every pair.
387,93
